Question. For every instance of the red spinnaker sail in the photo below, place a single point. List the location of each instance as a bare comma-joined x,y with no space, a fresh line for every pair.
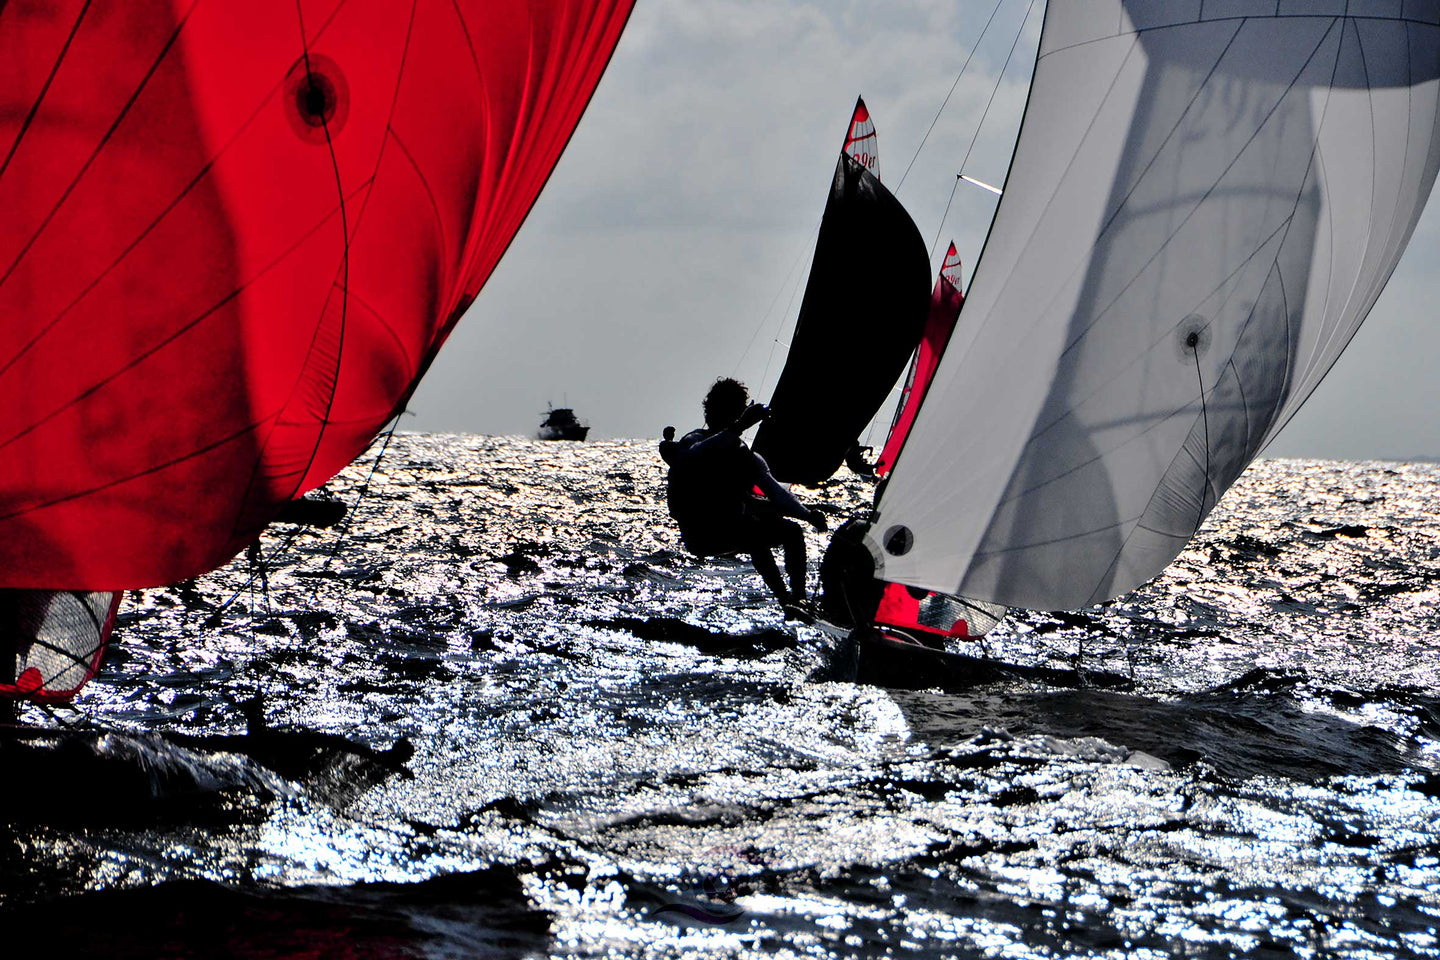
861,144
232,238
944,311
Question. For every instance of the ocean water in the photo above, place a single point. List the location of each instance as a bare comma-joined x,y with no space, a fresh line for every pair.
502,713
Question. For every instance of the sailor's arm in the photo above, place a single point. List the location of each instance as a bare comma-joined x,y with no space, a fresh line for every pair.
776,493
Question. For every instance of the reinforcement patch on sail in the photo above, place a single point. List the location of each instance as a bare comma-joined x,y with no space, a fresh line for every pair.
52,641
861,317
1204,204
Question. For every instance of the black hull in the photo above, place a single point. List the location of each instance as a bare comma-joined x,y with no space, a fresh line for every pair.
563,433
900,664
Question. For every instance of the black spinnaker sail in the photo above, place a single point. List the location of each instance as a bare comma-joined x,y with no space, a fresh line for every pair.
862,315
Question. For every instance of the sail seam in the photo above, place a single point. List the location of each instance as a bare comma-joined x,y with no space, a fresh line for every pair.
1206,196
424,183
1053,540
1315,156
386,325
1160,149
1205,419
99,147
139,239
1244,402
176,334
156,468
1101,454
334,385
45,88
1379,281
1107,577
324,420
1239,17
1119,552
1320,349
204,171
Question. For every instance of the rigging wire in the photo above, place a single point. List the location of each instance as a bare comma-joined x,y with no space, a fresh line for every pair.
765,317
935,244
364,489
939,232
953,87
981,125
213,620
282,551
1193,342
1029,10
760,389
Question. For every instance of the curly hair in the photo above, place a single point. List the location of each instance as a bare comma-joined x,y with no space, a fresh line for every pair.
726,400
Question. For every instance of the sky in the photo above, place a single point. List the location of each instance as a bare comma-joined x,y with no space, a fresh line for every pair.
673,239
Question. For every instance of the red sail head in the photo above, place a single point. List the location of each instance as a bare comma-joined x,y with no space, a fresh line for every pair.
860,141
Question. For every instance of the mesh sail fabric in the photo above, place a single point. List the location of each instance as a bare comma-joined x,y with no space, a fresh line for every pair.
234,236
945,302
52,641
860,319
1204,203
922,611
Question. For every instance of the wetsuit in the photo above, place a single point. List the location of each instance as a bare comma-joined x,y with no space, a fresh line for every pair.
714,477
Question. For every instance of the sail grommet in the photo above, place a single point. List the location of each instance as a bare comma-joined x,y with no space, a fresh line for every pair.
898,540
317,98
1192,338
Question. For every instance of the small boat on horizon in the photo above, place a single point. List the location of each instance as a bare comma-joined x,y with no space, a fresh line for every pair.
560,424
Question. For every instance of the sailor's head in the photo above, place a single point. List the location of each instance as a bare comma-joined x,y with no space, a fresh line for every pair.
726,400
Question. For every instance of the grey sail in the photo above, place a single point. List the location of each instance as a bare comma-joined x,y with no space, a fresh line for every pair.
1205,201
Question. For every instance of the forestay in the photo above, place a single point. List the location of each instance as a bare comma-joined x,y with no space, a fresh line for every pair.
1204,203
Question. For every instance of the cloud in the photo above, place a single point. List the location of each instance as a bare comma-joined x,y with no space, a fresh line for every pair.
676,228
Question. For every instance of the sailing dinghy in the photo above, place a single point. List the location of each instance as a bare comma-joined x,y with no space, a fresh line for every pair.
1204,203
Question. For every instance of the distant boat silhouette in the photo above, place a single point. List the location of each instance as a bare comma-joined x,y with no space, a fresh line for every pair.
560,424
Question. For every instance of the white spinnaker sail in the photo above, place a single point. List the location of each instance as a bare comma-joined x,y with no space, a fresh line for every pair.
1205,202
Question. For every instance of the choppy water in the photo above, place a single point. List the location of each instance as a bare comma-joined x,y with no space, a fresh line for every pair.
567,737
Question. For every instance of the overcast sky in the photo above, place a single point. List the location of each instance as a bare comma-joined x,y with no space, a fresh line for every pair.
669,244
